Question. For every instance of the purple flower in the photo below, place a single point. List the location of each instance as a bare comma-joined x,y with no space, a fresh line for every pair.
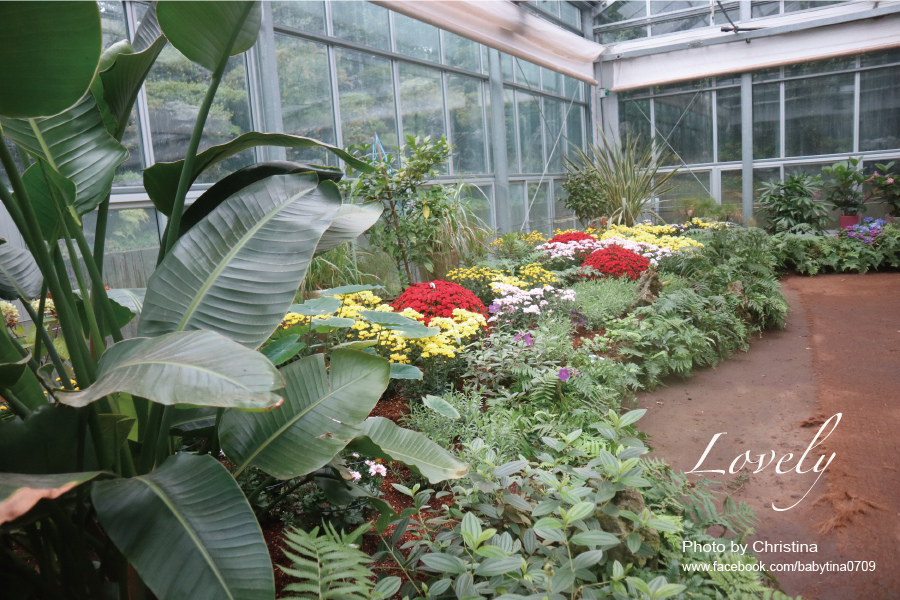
494,308
564,374
529,341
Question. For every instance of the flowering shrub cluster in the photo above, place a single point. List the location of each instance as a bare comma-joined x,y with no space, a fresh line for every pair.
564,237
866,232
438,299
10,313
533,237
534,275
563,255
616,262
662,236
520,307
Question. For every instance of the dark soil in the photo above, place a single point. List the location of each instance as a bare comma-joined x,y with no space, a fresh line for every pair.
837,354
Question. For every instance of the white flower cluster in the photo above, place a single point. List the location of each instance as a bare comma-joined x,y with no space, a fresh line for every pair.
512,299
571,250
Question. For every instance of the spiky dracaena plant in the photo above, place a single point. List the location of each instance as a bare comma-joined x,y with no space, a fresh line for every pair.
624,177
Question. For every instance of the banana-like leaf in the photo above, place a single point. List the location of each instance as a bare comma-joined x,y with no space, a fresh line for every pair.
148,31
188,530
232,184
18,268
236,272
441,406
161,180
11,372
79,146
43,183
123,78
401,371
205,31
284,349
350,221
317,306
42,442
130,298
384,439
186,367
19,493
317,419
408,328
48,55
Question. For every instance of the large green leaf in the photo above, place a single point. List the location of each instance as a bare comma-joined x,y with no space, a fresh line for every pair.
350,221
188,530
26,389
48,55
382,438
18,268
317,419
130,298
78,144
42,442
161,180
122,79
19,493
43,184
232,184
408,328
186,367
205,32
236,272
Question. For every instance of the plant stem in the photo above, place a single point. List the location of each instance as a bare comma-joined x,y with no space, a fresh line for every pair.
14,403
187,169
38,319
51,349
284,494
100,234
100,296
259,489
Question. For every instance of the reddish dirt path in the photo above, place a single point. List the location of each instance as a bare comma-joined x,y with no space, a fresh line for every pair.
838,353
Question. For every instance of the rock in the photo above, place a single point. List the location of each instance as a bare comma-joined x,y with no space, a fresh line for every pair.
648,287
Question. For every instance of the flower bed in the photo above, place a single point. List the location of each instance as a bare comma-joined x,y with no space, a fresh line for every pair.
614,261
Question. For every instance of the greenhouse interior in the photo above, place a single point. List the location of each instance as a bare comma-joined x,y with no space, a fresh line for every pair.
432,300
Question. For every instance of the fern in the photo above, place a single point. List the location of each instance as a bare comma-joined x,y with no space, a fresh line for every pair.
329,567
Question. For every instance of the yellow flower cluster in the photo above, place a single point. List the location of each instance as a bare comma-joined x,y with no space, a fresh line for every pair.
534,275
698,222
659,235
454,333
484,275
534,238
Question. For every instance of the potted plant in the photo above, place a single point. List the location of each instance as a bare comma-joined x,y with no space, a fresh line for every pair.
844,189
886,187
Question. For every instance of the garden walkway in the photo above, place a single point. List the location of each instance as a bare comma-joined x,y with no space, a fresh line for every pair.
839,352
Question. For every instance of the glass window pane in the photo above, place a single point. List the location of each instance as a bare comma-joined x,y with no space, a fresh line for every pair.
507,66
132,245
361,22
728,115
512,148
732,191
879,109
685,122
112,22
461,52
548,6
684,86
622,11
555,133
563,218
764,9
767,74
480,201
880,58
551,81
539,211
309,16
766,121
366,94
622,35
818,115
570,14
528,74
307,106
175,89
467,130
732,11
530,140
794,5
421,101
659,7
680,24
840,63
634,119
518,213
573,88
574,131
764,175
415,38
687,185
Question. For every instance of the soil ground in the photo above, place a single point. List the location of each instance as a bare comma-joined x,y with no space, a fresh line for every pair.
838,353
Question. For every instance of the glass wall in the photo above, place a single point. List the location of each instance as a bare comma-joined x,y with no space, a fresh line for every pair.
805,116
343,73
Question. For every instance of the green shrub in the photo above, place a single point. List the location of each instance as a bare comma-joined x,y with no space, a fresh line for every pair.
603,300
793,205
811,254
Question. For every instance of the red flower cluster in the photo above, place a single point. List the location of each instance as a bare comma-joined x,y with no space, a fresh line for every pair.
615,261
438,299
572,236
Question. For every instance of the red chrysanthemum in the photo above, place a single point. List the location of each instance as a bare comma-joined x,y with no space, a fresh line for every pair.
615,261
572,236
438,299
